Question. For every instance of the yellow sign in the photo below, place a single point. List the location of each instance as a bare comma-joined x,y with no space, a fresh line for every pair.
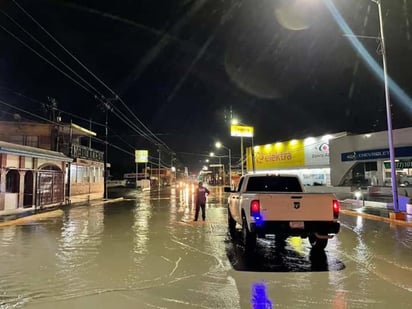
278,155
241,131
141,156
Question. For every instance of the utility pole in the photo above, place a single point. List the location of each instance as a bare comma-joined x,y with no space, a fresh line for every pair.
52,108
107,107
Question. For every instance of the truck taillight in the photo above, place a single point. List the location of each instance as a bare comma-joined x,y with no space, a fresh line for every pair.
255,209
336,208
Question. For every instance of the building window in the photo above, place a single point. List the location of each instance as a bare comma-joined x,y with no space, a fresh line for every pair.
73,173
79,174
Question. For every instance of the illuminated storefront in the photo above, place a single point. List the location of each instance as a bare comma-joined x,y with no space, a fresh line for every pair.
308,158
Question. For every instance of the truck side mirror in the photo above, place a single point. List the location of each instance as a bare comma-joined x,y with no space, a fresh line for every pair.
227,189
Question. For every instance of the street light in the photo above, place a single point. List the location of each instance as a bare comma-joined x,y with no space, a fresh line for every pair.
381,38
388,111
220,145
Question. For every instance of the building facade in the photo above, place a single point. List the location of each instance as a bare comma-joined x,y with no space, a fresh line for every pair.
31,177
83,173
363,160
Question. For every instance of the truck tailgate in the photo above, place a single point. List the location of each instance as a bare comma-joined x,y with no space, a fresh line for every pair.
297,207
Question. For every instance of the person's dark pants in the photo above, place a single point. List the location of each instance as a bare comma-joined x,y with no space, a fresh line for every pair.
198,206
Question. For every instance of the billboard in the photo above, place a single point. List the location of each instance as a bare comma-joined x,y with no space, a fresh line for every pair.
141,156
241,131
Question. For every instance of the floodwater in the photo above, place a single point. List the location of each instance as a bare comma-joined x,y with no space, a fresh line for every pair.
145,252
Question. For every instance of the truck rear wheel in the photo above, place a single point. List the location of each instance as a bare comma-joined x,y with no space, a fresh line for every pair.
249,238
231,224
317,243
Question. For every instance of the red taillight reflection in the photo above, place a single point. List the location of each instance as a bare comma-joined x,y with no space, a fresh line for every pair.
254,207
336,208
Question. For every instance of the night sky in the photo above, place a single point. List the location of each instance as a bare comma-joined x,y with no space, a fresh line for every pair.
180,69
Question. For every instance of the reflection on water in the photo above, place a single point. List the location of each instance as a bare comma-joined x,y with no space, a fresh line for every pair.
87,251
290,256
260,299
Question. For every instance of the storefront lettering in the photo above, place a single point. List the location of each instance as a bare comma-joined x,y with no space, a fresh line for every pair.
373,154
376,154
320,155
273,157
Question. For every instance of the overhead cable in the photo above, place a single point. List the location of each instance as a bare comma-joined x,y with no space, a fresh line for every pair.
87,69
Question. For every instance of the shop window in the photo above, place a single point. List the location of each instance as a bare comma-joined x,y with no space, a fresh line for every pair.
12,181
371,166
73,173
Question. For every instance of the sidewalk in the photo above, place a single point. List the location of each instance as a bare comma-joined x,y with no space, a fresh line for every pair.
372,210
12,214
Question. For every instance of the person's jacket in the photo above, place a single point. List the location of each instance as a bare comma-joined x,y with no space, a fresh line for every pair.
201,195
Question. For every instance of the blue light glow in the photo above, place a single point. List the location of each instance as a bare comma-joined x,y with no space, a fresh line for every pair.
258,220
260,299
373,65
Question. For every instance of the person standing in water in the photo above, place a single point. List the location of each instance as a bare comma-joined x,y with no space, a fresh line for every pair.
200,199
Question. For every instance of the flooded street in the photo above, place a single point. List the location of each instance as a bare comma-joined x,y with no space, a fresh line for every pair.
145,252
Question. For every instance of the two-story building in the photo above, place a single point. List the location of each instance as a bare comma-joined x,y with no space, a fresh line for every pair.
80,167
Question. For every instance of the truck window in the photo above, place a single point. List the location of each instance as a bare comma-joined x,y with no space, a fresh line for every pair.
275,184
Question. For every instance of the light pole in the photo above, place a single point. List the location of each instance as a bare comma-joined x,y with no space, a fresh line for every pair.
241,155
212,154
158,171
388,111
220,145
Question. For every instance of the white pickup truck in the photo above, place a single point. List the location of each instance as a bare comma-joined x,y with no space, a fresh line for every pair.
277,205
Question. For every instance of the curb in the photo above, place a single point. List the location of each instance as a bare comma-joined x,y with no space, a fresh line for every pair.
31,218
376,218
45,214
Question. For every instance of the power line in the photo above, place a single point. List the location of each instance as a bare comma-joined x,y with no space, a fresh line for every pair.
50,52
57,123
155,138
88,70
71,114
44,58
150,136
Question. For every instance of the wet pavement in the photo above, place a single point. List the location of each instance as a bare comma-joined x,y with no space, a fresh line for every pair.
146,252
